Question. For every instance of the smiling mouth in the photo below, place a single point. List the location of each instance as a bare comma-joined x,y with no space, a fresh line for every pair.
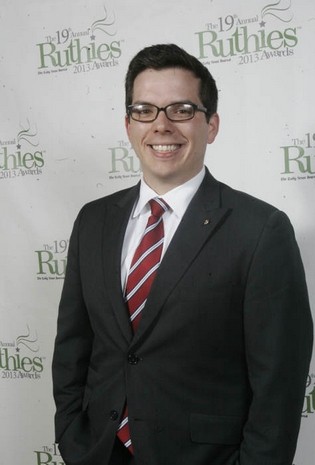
166,148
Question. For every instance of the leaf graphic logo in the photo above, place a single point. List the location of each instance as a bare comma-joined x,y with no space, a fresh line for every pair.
277,11
105,25
28,136
28,341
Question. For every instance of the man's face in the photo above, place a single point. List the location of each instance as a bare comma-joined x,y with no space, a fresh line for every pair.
170,152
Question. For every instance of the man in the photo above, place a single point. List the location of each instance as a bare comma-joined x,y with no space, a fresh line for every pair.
199,357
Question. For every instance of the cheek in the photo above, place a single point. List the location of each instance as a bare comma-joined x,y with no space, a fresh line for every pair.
132,139
135,135
137,143
198,143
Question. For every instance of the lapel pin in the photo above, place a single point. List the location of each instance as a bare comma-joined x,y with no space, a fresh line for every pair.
207,221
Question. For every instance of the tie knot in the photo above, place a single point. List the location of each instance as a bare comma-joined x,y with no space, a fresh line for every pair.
158,207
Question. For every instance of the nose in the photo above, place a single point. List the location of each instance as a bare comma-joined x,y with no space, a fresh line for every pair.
162,123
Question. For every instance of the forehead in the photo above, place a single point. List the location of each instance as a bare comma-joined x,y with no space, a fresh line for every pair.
166,86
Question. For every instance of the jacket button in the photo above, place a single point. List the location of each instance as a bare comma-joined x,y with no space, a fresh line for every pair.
113,415
133,359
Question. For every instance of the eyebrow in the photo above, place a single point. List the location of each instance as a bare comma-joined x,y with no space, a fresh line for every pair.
143,102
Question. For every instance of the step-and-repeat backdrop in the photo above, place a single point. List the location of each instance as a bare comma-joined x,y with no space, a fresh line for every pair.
63,143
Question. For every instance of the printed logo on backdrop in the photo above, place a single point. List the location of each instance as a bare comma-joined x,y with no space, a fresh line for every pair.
81,51
309,400
267,34
51,260
124,164
21,155
48,455
298,158
20,357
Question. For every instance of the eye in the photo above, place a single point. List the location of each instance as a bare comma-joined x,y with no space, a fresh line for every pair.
143,110
182,109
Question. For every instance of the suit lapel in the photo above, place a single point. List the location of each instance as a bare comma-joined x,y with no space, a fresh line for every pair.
114,230
203,216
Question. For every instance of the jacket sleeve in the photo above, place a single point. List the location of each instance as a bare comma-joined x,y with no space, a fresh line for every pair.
73,342
278,339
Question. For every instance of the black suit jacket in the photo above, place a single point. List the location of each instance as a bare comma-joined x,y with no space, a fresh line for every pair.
215,374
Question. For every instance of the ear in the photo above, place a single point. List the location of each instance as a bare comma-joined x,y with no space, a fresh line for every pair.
213,127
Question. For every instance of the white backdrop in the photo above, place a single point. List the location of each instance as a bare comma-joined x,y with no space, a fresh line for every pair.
63,143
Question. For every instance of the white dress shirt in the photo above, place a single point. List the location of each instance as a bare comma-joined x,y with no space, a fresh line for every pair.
178,200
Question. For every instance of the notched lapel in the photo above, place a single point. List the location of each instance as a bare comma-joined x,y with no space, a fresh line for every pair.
113,235
202,219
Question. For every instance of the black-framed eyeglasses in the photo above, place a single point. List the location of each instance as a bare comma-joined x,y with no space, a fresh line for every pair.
147,113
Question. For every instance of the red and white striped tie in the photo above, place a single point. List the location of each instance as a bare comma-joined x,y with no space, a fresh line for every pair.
143,269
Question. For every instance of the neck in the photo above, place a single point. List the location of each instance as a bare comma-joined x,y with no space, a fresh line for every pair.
161,187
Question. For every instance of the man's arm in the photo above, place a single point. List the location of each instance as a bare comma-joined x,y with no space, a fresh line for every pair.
73,342
278,337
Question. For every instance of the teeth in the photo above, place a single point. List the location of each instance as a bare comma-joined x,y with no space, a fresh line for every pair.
165,148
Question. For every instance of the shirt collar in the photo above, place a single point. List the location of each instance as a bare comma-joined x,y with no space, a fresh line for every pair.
178,198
